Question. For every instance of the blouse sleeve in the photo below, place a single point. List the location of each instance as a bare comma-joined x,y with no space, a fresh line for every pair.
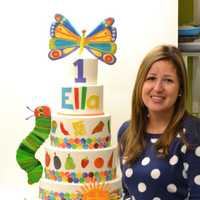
123,127
191,163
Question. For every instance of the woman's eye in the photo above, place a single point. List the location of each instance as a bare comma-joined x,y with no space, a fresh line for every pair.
151,78
169,80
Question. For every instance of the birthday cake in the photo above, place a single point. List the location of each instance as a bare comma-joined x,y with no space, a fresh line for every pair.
81,152
80,162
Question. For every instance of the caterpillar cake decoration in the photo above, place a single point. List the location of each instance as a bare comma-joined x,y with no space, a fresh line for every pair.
28,147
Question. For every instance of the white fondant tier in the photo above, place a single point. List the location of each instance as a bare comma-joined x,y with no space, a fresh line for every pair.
80,132
69,191
82,100
80,166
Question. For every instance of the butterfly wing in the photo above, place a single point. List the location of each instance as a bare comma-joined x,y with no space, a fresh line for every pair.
61,48
104,51
64,38
101,41
100,30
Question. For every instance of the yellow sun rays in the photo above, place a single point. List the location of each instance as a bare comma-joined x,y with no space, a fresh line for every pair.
96,191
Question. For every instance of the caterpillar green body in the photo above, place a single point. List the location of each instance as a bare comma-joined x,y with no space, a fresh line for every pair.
26,151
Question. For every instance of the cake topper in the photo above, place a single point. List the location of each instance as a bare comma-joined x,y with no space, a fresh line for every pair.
26,151
100,42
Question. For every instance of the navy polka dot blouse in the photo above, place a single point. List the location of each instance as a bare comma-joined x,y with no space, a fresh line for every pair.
176,177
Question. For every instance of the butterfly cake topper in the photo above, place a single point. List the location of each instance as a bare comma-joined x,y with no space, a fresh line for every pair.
100,42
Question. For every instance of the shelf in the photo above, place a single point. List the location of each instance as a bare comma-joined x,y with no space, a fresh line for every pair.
191,48
191,54
189,14
192,62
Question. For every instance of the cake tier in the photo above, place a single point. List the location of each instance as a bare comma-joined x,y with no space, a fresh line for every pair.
69,191
82,100
80,166
80,132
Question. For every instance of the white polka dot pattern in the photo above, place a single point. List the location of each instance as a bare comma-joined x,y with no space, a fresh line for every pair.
154,177
188,196
197,179
154,140
184,149
142,187
178,135
123,161
160,150
172,188
173,160
185,176
156,198
185,168
145,161
129,172
130,198
155,173
133,198
197,151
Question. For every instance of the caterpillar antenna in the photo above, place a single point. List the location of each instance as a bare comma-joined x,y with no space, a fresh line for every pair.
29,108
29,117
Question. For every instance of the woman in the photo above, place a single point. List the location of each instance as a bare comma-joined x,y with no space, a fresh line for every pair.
160,145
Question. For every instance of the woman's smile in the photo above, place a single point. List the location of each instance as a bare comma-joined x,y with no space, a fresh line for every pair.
157,99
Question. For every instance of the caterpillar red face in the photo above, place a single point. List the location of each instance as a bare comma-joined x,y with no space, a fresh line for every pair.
42,111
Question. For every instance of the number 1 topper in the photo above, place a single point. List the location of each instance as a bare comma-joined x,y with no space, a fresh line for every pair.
100,42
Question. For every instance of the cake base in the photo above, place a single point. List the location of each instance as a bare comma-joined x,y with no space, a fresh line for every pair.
69,191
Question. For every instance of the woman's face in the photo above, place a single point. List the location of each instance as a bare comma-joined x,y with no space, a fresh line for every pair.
160,88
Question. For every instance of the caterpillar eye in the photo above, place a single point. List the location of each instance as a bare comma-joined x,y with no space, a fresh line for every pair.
41,114
40,109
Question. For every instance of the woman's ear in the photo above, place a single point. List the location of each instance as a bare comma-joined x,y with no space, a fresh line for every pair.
180,93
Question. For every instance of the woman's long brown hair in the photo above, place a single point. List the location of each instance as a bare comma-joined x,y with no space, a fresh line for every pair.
132,141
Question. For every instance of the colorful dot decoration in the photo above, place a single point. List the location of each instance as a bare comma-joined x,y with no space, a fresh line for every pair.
51,195
81,143
80,177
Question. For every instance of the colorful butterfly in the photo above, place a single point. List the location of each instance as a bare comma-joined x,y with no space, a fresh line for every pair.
100,42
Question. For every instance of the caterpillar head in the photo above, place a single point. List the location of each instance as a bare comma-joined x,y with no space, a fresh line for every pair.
42,111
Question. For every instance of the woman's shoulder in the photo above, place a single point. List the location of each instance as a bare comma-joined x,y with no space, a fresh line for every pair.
122,129
191,125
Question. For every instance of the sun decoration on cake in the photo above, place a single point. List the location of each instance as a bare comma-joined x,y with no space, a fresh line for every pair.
100,42
96,191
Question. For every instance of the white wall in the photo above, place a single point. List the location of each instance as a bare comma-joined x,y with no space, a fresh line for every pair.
28,77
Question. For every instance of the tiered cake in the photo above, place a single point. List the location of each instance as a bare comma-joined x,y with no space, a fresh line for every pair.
81,163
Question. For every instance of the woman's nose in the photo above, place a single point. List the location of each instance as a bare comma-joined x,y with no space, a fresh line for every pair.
158,86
